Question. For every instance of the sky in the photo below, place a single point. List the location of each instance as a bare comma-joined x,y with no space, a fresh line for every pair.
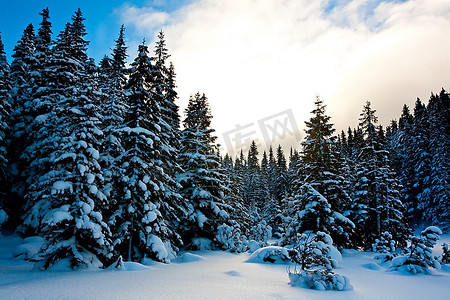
262,63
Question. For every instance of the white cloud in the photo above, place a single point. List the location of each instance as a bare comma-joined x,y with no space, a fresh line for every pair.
144,20
255,58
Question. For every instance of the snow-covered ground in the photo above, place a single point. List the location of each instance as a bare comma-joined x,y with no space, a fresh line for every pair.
210,275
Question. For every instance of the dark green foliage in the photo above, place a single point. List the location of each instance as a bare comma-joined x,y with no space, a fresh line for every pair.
319,192
147,215
421,149
203,180
5,111
377,205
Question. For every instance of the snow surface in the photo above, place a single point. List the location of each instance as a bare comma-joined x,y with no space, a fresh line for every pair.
216,275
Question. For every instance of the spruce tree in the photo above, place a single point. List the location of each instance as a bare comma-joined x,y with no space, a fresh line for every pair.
202,180
113,99
239,171
322,190
252,183
5,110
21,118
377,206
147,214
281,174
163,91
67,198
437,207
272,171
39,107
239,214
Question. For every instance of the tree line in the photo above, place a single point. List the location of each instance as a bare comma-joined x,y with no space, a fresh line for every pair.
93,158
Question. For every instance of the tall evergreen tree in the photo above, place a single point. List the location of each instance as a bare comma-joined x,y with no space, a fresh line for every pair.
437,207
254,195
18,136
113,100
163,90
322,191
146,215
67,197
203,179
272,173
281,174
5,110
38,107
377,206
239,215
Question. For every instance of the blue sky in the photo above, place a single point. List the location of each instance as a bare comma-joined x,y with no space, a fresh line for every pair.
102,20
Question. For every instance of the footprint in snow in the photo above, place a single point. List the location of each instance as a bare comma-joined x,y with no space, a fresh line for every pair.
233,274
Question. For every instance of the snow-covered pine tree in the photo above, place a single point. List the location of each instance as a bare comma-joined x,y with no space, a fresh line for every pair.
67,197
322,190
414,141
314,253
169,109
285,206
419,255
420,147
202,181
113,100
411,150
280,173
49,87
252,183
5,110
163,91
264,163
437,208
292,171
309,210
239,171
239,215
257,196
20,120
270,209
377,206
42,58
272,173
39,106
145,216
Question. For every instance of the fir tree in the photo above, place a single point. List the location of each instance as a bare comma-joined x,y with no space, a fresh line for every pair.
5,110
252,181
281,174
437,208
67,198
377,206
38,107
239,215
321,167
113,100
18,136
163,91
203,179
145,217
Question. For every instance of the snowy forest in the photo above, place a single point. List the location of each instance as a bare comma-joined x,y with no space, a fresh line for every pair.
98,161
